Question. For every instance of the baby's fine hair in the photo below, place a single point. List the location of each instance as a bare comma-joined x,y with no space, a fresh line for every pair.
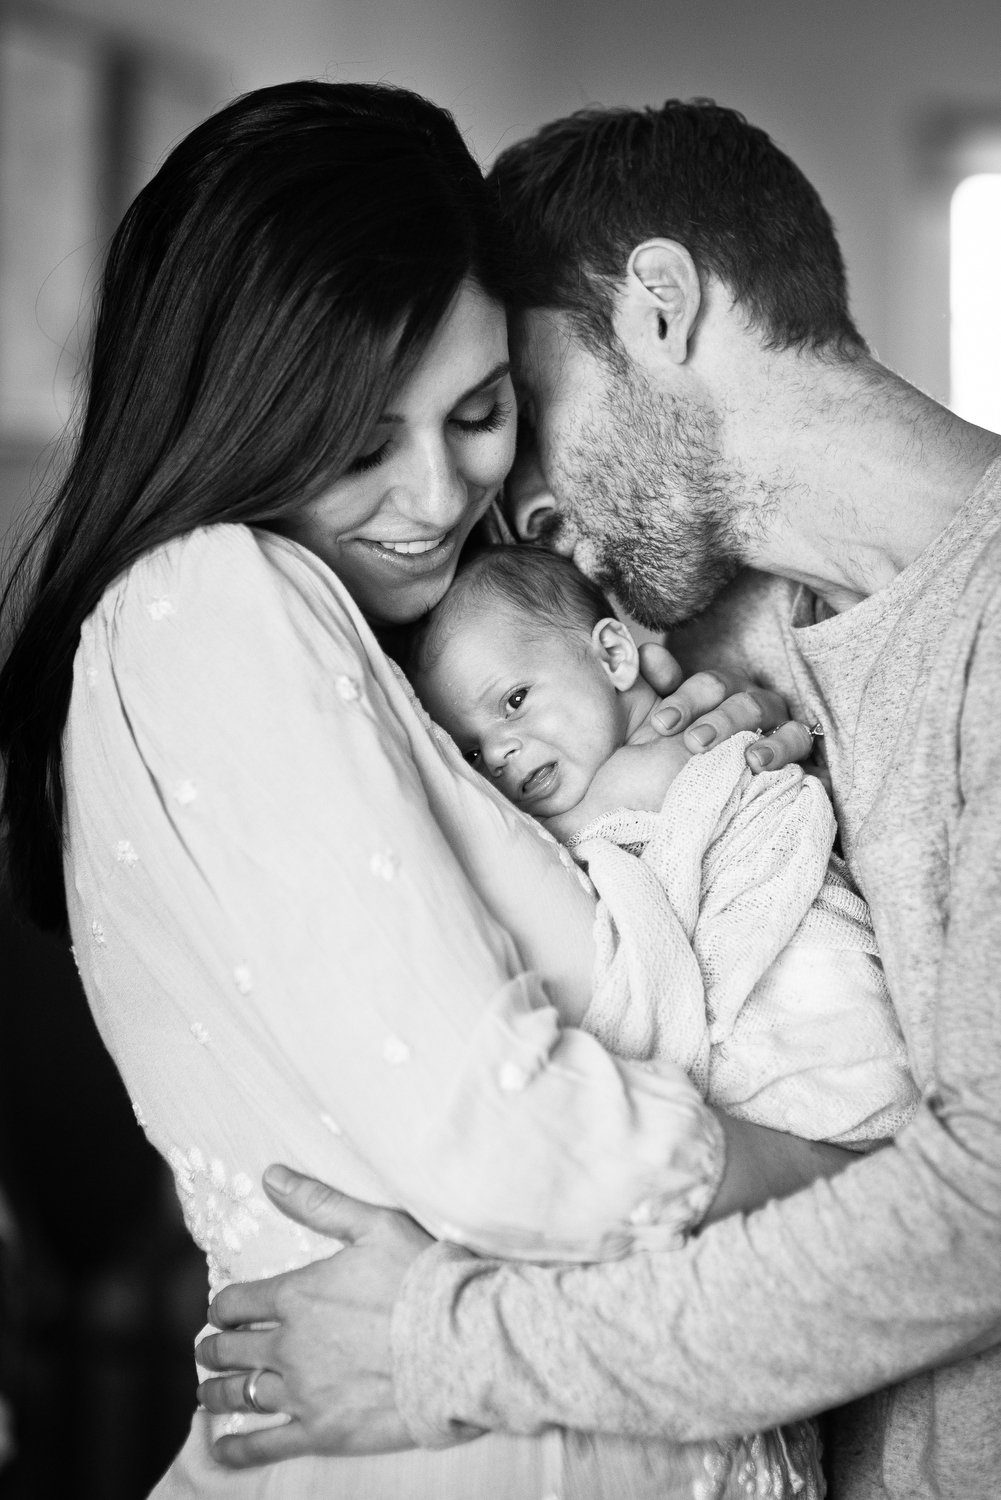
544,589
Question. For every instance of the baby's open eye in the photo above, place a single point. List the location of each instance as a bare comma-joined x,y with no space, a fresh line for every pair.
517,698
472,756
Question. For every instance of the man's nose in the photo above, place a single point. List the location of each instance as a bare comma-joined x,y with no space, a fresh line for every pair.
527,498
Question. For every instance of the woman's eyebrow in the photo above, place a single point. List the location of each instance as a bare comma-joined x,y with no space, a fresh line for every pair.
490,378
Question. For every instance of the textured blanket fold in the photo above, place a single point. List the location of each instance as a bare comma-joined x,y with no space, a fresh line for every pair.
730,941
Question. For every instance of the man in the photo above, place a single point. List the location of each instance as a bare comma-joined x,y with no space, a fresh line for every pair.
702,404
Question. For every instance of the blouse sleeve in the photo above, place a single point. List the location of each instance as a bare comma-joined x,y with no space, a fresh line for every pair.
297,852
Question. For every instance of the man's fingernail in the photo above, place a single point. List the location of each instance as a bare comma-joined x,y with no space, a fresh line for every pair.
761,756
279,1179
667,719
702,734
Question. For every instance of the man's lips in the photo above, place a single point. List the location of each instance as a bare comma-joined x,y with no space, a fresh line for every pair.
540,781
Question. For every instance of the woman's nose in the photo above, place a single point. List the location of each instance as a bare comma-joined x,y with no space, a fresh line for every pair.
440,494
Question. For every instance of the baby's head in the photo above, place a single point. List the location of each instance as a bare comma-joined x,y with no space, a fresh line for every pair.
526,666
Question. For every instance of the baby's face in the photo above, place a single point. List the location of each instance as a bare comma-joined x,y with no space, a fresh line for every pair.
532,708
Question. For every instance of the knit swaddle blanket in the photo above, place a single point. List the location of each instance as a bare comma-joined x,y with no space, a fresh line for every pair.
729,940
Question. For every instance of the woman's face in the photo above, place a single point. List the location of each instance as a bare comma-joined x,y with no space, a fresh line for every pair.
393,525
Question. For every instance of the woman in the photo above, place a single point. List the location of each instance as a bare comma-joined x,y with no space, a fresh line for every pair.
307,930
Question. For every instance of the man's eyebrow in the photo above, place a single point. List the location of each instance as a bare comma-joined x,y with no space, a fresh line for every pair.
490,378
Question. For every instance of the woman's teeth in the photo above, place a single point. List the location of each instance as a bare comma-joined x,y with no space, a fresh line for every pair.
411,547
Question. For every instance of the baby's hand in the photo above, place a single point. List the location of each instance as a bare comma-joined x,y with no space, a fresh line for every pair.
710,706
637,776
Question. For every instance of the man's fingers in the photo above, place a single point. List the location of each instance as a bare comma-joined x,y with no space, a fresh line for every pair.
243,1349
320,1207
228,1393
268,1445
659,668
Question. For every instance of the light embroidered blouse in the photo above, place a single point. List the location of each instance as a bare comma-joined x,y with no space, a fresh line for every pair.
309,932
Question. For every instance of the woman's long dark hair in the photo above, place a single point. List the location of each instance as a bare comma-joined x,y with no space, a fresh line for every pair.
280,275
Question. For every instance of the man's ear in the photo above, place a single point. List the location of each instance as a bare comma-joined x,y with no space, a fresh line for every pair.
656,310
617,652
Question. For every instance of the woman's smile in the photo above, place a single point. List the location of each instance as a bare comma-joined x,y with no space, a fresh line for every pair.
416,558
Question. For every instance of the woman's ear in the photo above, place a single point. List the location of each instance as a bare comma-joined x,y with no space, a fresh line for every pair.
617,652
658,306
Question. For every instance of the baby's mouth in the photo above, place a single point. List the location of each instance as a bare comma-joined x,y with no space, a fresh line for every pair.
540,781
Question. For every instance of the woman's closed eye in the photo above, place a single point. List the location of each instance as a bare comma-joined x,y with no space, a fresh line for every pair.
368,460
492,420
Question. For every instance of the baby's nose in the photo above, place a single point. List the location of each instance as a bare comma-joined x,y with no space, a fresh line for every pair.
499,751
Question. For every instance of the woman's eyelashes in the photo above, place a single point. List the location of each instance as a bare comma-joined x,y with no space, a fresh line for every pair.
492,421
368,460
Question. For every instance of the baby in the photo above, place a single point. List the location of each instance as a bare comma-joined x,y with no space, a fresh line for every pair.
729,938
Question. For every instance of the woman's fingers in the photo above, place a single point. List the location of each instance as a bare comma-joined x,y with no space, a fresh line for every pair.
709,707
791,742
228,1393
660,669
320,1207
712,706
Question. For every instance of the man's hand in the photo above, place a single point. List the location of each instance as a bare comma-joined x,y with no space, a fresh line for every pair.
711,706
325,1358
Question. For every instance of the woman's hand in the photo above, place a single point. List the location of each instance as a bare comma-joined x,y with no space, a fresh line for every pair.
325,1359
713,705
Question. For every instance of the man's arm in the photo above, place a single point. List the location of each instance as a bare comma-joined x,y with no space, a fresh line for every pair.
320,1337
887,1269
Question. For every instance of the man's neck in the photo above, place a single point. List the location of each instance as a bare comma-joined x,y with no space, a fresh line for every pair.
849,471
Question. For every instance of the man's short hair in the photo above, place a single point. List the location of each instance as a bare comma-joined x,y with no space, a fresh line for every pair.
584,191
540,586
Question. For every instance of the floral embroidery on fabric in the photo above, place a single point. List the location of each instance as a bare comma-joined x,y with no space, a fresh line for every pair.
92,676
199,1033
512,1078
185,792
137,1111
97,933
243,978
395,1051
220,1211
125,853
347,689
385,864
160,608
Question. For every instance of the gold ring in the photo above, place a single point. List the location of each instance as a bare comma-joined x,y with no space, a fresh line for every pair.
250,1400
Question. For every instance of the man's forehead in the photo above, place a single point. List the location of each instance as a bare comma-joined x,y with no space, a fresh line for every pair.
542,342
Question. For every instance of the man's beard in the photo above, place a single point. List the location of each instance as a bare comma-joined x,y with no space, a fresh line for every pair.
654,506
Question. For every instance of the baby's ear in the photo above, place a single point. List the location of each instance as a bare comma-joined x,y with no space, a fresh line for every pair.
617,652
